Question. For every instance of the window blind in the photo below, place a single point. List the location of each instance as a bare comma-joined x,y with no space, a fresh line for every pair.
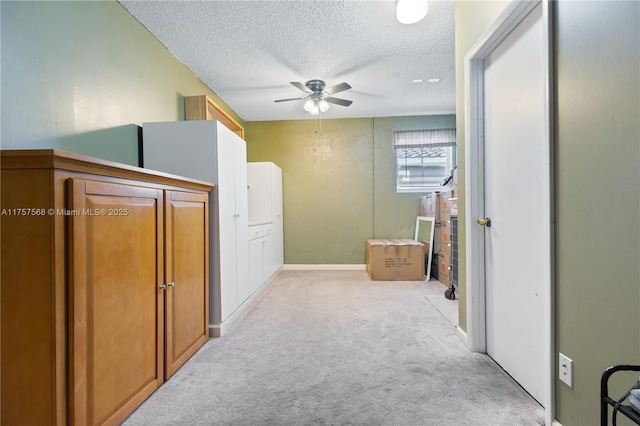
426,138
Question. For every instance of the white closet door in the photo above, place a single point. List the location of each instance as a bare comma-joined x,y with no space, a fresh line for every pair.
259,180
242,216
516,187
278,224
227,227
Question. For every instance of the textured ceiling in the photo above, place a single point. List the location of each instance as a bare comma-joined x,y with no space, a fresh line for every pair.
247,52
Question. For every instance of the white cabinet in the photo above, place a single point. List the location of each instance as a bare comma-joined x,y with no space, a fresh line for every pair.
260,244
266,243
209,151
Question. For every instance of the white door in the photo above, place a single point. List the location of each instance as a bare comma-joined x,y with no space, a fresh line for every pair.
242,214
276,176
226,192
516,168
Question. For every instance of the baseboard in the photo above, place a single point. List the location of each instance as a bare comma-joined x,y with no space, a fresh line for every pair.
556,423
462,335
219,330
299,267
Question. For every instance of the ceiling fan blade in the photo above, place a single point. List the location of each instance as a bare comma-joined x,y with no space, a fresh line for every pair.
290,99
338,101
300,86
337,88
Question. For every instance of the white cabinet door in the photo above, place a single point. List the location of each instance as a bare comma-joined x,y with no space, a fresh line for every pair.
256,264
227,228
260,192
270,252
277,208
242,219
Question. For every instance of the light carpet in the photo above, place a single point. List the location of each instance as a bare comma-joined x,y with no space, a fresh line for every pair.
334,348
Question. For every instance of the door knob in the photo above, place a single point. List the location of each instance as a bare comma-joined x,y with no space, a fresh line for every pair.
171,284
163,287
484,222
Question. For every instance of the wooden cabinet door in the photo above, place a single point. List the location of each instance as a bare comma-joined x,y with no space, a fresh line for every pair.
115,301
187,275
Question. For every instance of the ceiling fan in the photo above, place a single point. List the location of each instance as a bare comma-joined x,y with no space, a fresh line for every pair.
318,96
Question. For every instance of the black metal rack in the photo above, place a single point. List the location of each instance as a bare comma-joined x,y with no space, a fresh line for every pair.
450,293
606,400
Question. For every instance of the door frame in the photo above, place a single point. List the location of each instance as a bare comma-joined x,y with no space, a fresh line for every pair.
513,14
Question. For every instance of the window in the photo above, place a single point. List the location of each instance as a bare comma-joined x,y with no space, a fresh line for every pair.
424,158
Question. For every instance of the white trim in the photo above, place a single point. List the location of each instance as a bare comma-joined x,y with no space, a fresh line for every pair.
474,181
313,267
510,18
432,221
219,330
549,291
462,335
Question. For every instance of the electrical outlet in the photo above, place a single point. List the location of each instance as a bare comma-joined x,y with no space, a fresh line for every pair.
565,370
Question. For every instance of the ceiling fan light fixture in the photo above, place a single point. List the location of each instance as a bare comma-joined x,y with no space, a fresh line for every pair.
323,105
411,11
308,106
318,97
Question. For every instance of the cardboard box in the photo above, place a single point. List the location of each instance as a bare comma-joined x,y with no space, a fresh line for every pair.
426,248
444,206
429,205
445,248
444,237
445,233
395,260
436,205
444,261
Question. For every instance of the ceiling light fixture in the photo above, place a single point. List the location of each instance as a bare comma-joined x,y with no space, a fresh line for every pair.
411,11
316,104
318,97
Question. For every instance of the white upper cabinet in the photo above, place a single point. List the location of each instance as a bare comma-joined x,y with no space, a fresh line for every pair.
265,218
209,151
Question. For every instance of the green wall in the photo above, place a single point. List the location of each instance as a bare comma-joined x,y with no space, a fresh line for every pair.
339,183
597,55
82,75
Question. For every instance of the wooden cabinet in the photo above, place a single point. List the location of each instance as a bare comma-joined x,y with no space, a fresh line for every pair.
208,150
104,285
201,107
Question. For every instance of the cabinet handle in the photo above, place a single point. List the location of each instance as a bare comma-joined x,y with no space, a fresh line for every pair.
163,287
171,284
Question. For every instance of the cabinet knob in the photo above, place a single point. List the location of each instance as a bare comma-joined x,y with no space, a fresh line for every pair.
171,284
163,287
